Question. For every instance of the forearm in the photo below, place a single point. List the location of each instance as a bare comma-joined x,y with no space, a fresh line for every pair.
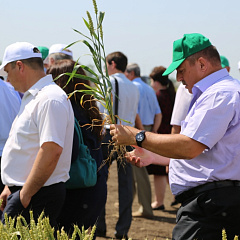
141,157
157,122
172,146
138,123
44,165
176,129
167,145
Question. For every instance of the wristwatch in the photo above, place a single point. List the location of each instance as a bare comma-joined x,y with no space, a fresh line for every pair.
140,136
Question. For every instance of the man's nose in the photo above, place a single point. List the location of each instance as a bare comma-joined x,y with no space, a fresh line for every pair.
179,77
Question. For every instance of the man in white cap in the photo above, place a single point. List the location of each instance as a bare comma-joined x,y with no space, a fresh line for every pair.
36,157
58,52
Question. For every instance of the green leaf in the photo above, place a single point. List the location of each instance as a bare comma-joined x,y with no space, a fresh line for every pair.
100,18
82,77
82,35
89,46
93,33
86,23
89,70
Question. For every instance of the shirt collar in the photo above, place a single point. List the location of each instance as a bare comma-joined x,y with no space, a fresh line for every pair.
39,85
138,79
117,75
208,81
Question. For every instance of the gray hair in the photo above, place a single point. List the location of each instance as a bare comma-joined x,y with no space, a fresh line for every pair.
60,56
135,68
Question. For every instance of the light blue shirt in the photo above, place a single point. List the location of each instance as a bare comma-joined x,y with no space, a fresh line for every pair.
9,106
213,120
148,105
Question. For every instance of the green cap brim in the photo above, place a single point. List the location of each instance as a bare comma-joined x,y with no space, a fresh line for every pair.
173,66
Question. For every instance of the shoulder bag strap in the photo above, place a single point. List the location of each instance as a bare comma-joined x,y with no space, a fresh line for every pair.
116,98
79,131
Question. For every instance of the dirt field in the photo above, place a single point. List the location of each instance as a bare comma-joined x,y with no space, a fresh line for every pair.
158,228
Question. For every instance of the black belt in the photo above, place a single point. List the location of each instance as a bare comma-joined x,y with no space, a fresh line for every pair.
193,192
14,188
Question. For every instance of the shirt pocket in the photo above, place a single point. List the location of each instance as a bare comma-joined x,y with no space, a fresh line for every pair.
23,130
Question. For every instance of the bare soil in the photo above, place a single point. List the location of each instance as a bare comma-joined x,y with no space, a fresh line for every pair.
159,228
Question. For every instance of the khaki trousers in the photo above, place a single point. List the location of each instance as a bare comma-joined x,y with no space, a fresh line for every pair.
141,186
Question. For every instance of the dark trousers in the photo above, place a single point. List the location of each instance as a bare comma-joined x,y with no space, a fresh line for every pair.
125,193
1,184
204,216
83,206
49,199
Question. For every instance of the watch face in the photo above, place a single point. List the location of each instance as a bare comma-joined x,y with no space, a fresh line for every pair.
140,137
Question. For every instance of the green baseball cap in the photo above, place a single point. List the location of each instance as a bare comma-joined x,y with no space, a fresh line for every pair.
224,62
185,47
44,51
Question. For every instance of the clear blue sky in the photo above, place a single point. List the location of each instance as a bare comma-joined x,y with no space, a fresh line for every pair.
143,30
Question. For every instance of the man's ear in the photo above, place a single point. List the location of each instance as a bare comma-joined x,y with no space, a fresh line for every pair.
20,66
113,64
203,64
51,61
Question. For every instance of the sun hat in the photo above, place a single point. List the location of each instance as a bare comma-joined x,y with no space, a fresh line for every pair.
224,62
18,51
58,48
44,51
185,47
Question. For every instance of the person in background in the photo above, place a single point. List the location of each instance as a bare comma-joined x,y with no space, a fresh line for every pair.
165,93
204,168
82,206
44,51
128,98
37,155
57,52
9,104
225,63
180,109
150,119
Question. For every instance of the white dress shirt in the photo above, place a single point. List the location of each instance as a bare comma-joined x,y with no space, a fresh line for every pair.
45,116
128,99
181,105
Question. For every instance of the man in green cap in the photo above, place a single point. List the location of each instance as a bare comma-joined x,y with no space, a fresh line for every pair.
204,172
44,51
225,63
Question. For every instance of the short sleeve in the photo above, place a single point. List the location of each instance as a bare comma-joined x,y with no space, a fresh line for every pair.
52,122
209,119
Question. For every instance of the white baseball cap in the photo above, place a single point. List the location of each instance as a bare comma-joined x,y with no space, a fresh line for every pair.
58,48
18,51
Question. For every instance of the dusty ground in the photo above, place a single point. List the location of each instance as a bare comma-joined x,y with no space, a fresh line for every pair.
158,228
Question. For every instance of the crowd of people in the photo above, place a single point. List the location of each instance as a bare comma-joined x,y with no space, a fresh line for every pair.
186,138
